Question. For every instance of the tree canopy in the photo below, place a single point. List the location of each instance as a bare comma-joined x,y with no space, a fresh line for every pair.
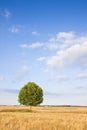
30,94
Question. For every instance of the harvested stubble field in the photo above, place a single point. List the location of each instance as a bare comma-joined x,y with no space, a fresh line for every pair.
43,118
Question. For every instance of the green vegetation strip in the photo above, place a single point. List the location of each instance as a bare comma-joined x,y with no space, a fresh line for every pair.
16,110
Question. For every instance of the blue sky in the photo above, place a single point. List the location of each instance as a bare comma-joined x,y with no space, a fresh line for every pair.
44,41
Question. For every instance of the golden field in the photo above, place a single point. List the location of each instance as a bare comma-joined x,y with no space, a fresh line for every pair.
43,118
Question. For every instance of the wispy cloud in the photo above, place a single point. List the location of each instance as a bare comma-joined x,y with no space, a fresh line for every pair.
2,78
41,58
36,45
52,46
59,77
70,50
45,46
82,76
22,73
5,13
70,94
80,87
12,91
47,93
61,41
35,33
14,29
33,45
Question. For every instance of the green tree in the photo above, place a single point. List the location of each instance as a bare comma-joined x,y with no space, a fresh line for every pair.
30,94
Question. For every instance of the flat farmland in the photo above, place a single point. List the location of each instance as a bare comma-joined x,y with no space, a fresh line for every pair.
43,118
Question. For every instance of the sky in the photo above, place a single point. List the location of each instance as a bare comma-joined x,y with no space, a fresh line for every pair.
44,41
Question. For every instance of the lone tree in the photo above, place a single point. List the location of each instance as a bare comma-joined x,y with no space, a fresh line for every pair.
30,94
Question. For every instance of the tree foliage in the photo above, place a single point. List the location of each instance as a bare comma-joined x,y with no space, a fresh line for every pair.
30,94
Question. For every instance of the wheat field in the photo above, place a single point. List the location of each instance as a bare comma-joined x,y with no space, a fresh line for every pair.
43,118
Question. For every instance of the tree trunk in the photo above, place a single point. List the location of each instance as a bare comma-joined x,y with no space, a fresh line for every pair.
30,107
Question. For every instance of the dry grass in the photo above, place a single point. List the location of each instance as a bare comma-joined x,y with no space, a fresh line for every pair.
43,118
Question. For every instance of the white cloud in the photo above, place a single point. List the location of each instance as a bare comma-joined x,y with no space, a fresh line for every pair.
70,50
24,46
63,40
2,78
52,46
33,45
52,40
41,58
65,35
73,55
36,45
82,76
49,46
35,33
6,13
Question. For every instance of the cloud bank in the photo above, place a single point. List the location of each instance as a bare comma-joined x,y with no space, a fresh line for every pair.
72,51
